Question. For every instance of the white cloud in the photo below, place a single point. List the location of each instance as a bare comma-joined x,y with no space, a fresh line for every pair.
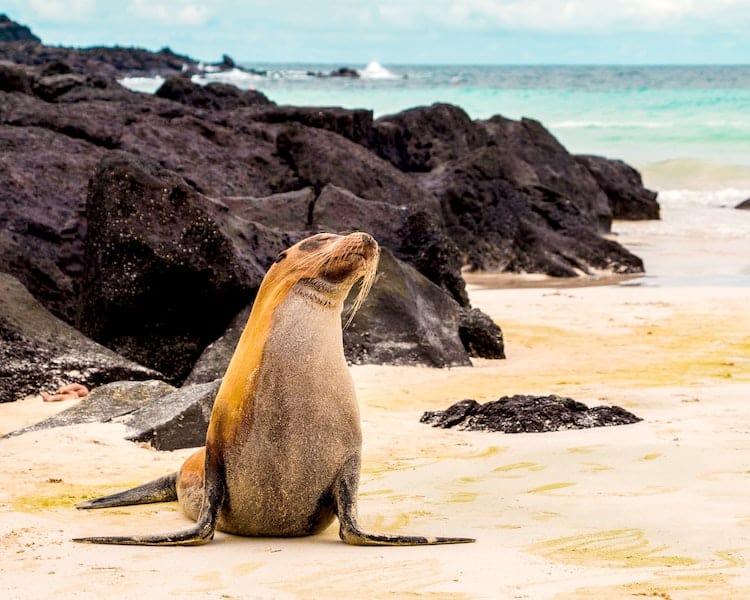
569,15
62,10
171,12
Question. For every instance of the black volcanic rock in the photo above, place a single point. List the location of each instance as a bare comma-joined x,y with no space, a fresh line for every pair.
213,96
541,161
14,79
419,139
178,419
38,352
106,403
214,360
109,62
503,219
527,414
744,205
481,336
353,124
10,31
624,188
163,276
320,157
405,319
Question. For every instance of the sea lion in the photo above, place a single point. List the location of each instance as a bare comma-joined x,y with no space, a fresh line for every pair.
72,391
282,453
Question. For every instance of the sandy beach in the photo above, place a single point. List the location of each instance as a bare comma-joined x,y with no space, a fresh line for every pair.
656,509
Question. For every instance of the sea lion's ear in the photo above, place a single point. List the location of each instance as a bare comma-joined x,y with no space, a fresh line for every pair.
280,257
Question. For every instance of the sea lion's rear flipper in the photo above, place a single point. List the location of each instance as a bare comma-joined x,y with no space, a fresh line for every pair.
158,490
201,533
345,494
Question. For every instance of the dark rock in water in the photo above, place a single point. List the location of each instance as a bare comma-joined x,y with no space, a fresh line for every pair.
105,403
503,219
10,31
624,188
213,96
406,319
744,205
480,335
176,420
38,352
344,72
527,414
163,276
540,160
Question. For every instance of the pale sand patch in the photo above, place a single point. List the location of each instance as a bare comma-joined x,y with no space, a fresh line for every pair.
656,509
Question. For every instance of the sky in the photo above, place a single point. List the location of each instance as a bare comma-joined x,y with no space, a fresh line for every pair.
405,31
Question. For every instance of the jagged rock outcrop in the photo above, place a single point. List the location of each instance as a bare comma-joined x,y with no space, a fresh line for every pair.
420,139
406,319
38,352
503,219
163,275
623,186
213,96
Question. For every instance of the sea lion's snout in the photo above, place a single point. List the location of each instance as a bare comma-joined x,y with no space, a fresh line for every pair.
367,247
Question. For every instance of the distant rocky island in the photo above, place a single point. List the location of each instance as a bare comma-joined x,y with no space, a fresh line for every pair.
138,227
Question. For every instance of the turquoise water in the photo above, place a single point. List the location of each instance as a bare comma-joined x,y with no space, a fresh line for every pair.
644,115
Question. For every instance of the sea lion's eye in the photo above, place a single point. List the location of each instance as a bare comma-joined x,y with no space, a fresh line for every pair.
280,257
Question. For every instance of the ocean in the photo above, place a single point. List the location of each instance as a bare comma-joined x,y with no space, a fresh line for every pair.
685,128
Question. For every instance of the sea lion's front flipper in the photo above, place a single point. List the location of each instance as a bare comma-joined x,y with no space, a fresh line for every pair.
345,494
201,533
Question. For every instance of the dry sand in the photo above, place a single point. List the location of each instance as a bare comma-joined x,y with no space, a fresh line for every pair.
657,509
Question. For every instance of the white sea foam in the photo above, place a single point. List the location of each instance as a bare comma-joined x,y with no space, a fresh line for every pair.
720,198
147,85
238,77
374,70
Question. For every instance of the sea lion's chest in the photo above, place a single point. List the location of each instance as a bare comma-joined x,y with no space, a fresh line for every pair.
303,421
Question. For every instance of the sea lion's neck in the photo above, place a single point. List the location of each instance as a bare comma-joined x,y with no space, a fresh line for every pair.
317,291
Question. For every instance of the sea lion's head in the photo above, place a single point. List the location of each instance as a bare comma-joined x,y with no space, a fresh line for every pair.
324,268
